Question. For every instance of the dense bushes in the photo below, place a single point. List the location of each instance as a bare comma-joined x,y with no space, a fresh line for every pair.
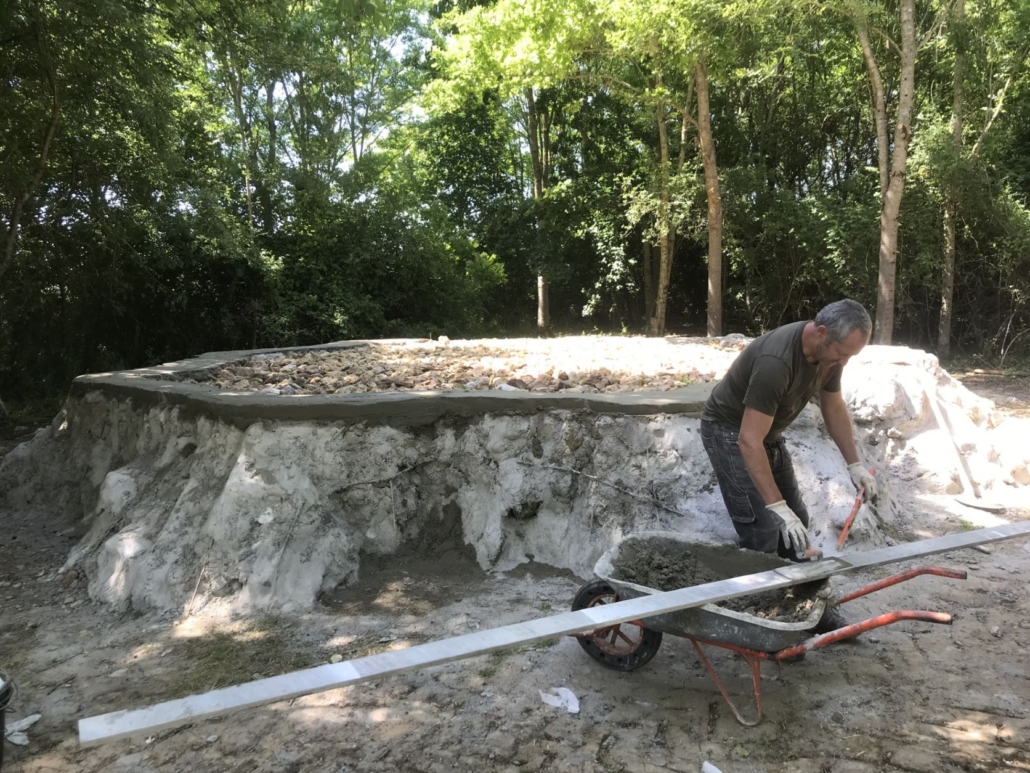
185,177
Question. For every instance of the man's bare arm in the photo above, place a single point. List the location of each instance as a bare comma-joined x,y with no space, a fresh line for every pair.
838,424
753,428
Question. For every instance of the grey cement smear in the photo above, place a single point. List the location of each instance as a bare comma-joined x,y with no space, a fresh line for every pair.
163,385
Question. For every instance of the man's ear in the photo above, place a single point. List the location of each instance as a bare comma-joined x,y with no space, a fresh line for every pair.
823,332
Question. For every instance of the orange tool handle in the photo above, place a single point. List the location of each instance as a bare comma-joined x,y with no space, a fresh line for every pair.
851,516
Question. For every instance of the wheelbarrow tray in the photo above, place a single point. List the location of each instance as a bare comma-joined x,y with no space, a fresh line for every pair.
673,557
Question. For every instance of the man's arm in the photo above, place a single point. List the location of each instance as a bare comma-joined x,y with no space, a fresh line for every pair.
753,428
838,424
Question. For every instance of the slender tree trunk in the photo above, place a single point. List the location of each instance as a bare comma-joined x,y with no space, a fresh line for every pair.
235,81
533,135
1000,102
948,276
543,305
879,107
891,208
265,191
539,158
656,294
648,279
951,197
704,125
664,219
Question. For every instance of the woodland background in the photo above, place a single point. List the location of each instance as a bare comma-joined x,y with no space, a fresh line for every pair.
192,175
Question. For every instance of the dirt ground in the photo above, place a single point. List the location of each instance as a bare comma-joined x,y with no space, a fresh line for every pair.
1010,393
913,697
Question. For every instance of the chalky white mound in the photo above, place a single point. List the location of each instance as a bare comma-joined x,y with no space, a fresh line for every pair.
278,512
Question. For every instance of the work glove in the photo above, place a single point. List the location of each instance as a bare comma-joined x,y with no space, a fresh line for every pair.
860,476
794,532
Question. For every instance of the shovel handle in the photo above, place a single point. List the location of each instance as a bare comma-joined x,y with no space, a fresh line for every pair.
851,516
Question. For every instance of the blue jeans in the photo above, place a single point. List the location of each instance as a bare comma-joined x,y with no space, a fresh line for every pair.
757,527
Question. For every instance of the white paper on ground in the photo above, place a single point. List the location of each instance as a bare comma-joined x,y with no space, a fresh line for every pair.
563,699
15,732
709,768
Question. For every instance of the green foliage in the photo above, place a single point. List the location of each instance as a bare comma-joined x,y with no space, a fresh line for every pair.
385,266
213,174
214,184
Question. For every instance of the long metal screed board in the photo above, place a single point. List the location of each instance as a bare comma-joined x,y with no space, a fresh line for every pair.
170,714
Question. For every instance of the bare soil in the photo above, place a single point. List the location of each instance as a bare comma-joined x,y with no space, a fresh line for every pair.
1010,393
913,697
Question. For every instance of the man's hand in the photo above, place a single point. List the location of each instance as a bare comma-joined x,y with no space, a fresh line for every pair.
793,531
860,476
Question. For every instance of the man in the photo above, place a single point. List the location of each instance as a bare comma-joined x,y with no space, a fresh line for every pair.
765,389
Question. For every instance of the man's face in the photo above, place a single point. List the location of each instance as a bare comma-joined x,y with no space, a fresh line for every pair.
838,352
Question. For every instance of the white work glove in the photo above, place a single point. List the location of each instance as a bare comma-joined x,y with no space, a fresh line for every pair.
860,476
793,531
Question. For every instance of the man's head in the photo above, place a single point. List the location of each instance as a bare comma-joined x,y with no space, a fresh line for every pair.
842,329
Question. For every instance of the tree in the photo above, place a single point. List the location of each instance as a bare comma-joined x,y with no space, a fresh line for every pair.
655,56
704,123
958,36
1003,61
892,175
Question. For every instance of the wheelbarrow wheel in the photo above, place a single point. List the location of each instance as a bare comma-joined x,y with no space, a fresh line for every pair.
623,647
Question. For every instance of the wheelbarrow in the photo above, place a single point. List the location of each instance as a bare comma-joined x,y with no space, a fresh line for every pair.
778,626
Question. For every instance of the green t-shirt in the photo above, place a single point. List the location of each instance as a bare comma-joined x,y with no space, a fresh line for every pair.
772,376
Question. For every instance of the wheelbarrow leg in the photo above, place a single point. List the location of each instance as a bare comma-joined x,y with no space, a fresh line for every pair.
754,660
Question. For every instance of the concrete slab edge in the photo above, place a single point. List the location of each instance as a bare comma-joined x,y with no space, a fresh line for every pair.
156,386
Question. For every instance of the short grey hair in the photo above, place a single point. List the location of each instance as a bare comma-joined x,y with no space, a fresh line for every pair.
842,318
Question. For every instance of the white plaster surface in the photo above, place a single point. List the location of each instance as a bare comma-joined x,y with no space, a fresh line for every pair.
279,512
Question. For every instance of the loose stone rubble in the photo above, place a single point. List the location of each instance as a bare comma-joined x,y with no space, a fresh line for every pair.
534,365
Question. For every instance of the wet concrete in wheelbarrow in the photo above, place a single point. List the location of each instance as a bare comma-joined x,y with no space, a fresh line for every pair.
666,565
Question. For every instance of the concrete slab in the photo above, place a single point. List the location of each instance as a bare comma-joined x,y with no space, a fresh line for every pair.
157,385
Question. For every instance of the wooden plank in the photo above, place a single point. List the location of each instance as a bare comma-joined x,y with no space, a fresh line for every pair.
170,714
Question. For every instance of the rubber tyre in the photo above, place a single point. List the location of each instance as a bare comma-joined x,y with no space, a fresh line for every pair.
647,648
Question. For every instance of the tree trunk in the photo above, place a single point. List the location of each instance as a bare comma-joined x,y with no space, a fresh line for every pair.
539,158
891,208
235,81
948,277
648,279
951,198
663,218
269,174
543,310
879,107
533,135
704,125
